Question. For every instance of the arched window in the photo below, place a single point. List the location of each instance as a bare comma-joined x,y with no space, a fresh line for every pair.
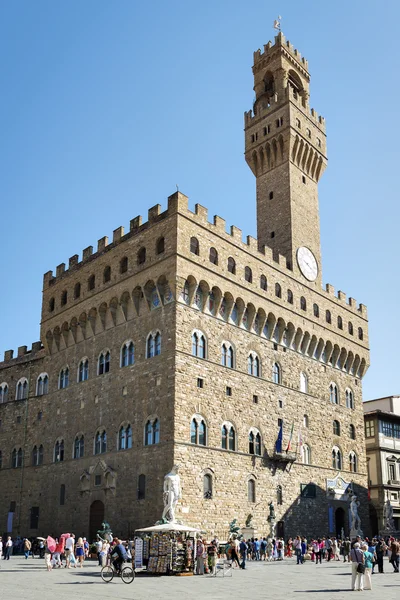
305,420
127,354
352,432
232,439
52,304
340,322
59,451
303,303
290,296
279,495
353,462
154,345
107,274
253,364
278,290
255,442
276,373
91,283
351,328
100,442
349,398
141,494
198,344
3,393
227,355
305,454
16,458
79,446
251,490
336,427
123,265
160,246
336,458
316,310
213,256
303,383
22,389
228,441
207,486
231,265
224,437
104,362
37,456
125,438
198,431
42,384
64,298
152,432
333,393
248,275
185,295
263,283
141,256
77,291
83,370
328,316
194,246
360,333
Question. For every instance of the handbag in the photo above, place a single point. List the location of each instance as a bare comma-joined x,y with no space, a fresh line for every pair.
360,568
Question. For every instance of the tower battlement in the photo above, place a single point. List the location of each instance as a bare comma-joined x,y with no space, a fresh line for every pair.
280,44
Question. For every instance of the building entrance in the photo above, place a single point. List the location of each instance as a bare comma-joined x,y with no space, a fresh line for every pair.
96,518
340,521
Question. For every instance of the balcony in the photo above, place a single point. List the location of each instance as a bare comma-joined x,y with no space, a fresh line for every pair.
286,457
395,482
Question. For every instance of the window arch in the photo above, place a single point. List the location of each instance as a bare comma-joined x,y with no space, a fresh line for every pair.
198,431
59,451
278,290
52,304
37,456
333,393
328,316
251,490
306,454
353,462
303,383
123,265
350,327
207,486
22,389
276,373
254,442
253,364
336,458
127,354
141,493
228,437
64,298
227,355
336,427
77,291
352,432
349,398
279,495
3,393
91,282
16,458
125,437
290,296
107,274
248,274
103,363
153,344
160,246
152,432
263,283
79,446
198,344
83,370
340,322
316,310
213,257
231,265
303,303
194,246
42,384
360,333
185,294
100,442
141,256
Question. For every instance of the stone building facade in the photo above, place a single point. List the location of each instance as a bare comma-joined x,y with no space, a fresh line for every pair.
178,342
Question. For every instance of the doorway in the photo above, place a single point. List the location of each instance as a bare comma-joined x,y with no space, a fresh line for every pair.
280,529
340,521
96,518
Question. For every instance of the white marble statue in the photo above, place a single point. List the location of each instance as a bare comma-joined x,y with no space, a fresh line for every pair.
388,515
172,493
355,517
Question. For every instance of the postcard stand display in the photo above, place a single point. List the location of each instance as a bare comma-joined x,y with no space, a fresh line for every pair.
168,552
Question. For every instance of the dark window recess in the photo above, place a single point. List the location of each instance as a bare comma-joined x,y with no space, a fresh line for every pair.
228,391
303,179
280,403
97,480
271,195
272,234
255,399
275,346
308,490
279,422
200,382
18,419
13,506
34,524
141,487
39,416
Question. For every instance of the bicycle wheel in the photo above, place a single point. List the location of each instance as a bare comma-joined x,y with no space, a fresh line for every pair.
127,575
107,574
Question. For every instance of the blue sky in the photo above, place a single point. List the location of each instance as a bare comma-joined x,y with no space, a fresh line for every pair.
106,105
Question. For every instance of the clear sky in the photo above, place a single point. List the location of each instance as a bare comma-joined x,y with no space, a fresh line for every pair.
106,105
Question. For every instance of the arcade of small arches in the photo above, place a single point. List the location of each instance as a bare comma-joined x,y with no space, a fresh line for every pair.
224,306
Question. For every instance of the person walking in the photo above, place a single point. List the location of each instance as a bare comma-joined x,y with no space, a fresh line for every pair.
69,551
47,558
368,564
303,549
9,546
234,551
395,557
99,547
199,558
263,548
1,546
212,557
243,553
27,547
328,546
256,547
297,549
380,550
346,550
80,551
357,576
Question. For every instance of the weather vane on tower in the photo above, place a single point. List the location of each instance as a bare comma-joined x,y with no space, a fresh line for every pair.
277,23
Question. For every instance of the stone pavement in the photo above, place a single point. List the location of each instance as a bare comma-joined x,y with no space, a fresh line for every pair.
20,578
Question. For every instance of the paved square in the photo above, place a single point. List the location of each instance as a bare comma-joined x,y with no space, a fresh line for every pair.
20,578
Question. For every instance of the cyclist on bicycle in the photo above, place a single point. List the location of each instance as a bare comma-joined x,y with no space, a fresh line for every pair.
119,555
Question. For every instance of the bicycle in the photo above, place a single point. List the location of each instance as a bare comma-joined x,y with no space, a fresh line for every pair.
109,572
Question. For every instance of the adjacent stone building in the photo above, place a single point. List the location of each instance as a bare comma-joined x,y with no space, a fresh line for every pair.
178,342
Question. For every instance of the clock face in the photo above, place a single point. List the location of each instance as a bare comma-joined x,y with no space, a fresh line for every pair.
307,263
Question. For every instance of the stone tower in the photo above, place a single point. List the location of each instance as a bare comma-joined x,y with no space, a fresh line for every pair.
286,150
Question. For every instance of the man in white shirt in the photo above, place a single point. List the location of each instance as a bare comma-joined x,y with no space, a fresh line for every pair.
99,548
1,546
9,546
69,549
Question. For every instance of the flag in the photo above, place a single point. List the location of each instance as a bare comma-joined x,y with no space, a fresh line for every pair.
278,443
290,439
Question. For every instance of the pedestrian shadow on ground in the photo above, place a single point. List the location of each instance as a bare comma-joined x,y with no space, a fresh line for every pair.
314,591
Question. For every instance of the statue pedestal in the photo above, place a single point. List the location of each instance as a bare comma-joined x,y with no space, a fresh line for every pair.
248,532
355,532
272,525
